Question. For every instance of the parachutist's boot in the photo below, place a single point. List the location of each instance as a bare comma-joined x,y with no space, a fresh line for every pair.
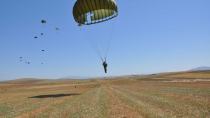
105,70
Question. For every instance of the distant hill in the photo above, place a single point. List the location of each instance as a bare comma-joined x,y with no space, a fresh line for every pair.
196,73
73,77
203,68
24,80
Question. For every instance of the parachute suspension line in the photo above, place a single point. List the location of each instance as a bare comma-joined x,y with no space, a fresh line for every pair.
102,52
94,46
110,38
91,43
88,12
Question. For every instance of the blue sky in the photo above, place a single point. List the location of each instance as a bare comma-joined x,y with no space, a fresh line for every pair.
148,36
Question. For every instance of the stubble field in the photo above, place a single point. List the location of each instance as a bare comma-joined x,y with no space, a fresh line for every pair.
167,95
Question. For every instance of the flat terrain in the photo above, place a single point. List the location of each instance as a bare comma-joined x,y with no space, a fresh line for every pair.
167,95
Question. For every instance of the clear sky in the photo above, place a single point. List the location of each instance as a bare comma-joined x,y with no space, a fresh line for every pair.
148,36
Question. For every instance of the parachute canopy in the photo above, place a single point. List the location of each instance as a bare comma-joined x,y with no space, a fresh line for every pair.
43,21
87,12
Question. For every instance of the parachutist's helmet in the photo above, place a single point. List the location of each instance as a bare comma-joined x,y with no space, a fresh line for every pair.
87,12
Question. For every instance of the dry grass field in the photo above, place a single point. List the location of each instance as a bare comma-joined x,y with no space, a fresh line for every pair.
166,95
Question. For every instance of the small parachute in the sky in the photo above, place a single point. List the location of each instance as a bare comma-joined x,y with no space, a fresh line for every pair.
57,28
43,50
87,12
35,37
27,62
43,21
42,34
20,59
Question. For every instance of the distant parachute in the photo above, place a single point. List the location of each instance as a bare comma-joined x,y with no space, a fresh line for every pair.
87,12
57,28
20,59
28,62
43,32
43,21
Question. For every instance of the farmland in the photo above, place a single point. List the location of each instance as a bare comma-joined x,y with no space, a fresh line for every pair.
165,95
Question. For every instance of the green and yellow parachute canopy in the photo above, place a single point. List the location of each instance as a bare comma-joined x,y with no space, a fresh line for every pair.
87,12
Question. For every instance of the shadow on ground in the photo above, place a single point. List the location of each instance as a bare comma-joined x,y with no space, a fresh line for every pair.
54,95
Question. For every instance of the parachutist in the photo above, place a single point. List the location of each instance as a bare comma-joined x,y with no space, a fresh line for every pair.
35,37
88,12
42,34
105,66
